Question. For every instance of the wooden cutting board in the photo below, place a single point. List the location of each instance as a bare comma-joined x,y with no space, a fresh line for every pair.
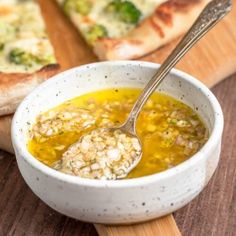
213,59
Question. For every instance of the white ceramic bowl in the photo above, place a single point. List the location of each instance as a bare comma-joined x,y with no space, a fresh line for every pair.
123,201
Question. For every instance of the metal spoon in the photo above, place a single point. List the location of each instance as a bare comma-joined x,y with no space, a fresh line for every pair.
211,14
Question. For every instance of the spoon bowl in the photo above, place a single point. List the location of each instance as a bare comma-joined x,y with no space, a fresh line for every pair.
131,133
117,153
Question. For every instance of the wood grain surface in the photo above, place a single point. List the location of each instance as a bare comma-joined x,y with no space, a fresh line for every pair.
211,60
212,213
165,226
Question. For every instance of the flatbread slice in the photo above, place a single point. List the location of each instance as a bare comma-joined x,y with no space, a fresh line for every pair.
170,20
26,54
111,38
15,86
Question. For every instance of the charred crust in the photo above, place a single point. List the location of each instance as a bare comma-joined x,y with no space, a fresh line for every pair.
50,67
156,27
166,10
180,5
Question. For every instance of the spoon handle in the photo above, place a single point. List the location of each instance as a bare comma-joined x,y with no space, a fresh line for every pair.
211,14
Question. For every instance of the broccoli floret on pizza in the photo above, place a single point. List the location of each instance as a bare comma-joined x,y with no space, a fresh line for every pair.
47,60
96,32
82,7
21,57
125,10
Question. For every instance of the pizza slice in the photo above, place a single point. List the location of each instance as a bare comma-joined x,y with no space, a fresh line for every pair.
128,29
26,54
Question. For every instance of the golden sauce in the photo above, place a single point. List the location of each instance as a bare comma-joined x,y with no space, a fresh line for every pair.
170,131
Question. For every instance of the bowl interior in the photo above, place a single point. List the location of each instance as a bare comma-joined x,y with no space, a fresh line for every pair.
97,76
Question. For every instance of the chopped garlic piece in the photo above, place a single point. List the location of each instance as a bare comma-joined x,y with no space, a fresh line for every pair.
101,155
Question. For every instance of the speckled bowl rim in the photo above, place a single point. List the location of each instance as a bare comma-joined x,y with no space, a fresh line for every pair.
140,181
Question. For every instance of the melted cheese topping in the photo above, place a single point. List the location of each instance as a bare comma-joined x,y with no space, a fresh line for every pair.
113,25
22,27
